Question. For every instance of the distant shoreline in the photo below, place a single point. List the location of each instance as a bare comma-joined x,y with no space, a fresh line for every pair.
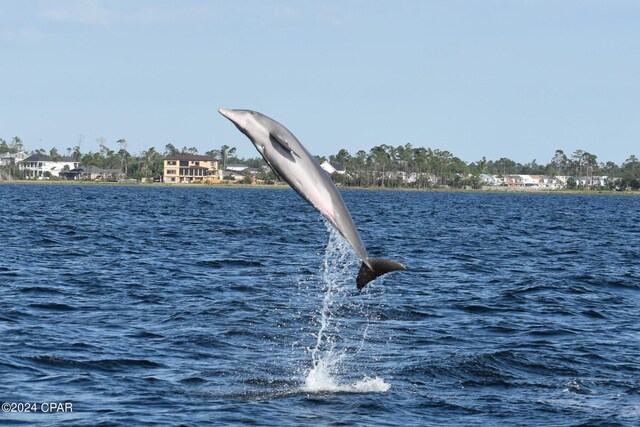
285,186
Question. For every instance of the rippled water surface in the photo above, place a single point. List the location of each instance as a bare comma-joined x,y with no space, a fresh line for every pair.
168,306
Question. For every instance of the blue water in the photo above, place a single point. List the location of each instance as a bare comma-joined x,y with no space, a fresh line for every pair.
200,306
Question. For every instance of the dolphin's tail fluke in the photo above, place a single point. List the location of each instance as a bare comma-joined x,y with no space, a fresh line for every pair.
378,267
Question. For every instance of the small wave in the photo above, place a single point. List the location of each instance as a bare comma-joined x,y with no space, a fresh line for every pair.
526,289
478,308
593,314
53,306
103,364
40,290
7,319
146,334
228,263
45,241
550,332
7,272
193,380
405,313
616,283
272,383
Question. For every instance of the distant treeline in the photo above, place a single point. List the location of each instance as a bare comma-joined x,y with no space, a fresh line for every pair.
382,166
389,166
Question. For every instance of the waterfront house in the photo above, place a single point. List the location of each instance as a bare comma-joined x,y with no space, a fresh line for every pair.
232,175
40,166
93,173
492,180
187,168
237,167
7,159
546,182
521,181
592,181
332,168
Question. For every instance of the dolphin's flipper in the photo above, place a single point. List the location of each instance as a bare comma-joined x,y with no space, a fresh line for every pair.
379,267
283,143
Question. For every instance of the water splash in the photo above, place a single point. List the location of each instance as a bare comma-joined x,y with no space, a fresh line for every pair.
341,335
319,379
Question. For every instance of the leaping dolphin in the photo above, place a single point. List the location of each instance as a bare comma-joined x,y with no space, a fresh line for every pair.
291,161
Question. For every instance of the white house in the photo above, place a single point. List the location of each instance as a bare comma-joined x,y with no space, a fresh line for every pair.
522,181
592,181
96,173
488,179
237,167
332,168
547,182
41,166
232,175
12,158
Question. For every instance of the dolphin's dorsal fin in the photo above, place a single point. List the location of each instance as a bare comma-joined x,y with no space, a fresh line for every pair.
283,143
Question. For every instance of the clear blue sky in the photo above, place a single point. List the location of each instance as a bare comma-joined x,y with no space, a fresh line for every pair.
494,78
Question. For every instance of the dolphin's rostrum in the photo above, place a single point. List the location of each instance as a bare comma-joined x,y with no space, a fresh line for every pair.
291,161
